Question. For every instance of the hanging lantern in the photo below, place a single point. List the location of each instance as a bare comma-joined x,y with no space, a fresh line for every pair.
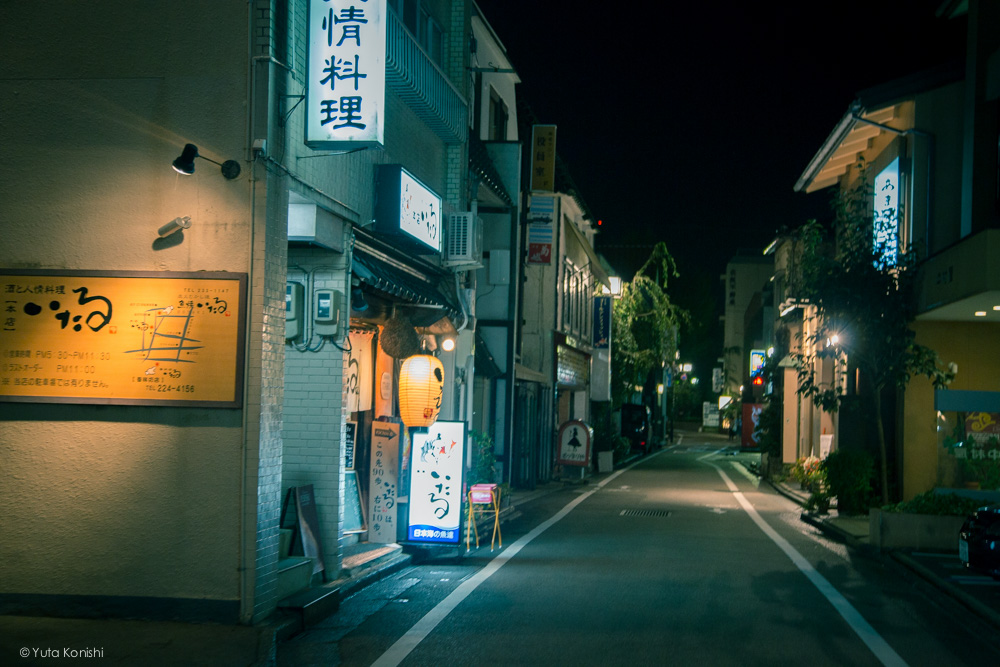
421,383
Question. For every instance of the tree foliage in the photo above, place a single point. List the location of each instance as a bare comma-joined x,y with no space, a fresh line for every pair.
645,324
865,301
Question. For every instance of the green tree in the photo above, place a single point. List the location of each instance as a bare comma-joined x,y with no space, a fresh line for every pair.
644,325
864,295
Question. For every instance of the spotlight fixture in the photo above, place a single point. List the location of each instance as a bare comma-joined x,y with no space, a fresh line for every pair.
184,164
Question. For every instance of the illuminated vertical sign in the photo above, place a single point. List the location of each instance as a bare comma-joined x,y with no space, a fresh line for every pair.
885,215
543,158
437,460
602,322
756,362
345,84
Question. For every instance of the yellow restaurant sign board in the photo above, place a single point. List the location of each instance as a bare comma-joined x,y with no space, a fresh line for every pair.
125,338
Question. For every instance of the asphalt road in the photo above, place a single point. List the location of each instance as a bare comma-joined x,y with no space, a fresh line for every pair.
680,559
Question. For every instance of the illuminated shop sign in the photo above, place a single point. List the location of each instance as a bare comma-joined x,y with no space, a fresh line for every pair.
122,338
756,362
437,460
886,214
407,209
345,84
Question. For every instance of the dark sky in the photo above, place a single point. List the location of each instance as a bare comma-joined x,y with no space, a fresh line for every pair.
689,123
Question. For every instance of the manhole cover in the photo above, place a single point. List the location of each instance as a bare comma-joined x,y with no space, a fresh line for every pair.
646,513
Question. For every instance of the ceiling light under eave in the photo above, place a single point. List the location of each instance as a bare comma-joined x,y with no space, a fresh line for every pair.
980,313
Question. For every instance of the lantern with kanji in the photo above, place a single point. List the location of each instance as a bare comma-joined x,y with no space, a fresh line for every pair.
421,383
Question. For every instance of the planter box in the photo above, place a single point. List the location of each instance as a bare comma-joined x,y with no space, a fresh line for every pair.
891,530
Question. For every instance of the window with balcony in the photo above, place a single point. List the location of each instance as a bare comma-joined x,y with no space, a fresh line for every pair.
426,31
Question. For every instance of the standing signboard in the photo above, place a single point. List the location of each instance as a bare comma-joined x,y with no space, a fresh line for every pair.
574,443
437,463
751,415
383,482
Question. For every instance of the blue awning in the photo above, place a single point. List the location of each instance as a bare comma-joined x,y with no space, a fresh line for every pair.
408,285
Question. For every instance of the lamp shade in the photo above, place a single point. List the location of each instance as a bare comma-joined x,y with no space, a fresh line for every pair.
421,383
184,164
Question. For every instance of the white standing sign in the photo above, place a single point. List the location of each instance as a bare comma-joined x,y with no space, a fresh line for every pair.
345,84
383,482
436,466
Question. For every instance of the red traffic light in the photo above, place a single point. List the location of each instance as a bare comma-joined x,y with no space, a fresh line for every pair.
758,381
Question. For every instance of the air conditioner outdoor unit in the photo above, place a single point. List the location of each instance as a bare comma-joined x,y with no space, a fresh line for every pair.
465,240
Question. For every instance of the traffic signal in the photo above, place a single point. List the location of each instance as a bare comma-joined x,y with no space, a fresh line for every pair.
758,381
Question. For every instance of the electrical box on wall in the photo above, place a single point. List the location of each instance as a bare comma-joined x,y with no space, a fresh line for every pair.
326,311
294,294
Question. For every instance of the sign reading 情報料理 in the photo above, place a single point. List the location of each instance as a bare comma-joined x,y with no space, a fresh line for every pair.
125,338
345,81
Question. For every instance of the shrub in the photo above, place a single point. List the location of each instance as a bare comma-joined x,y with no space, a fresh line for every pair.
936,503
849,475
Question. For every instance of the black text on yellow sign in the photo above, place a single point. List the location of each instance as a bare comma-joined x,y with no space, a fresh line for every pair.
124,338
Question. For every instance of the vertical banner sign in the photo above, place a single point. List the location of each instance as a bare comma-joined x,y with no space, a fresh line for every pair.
885,214
383,482
384,365
751,416
602,322
358,383
436,466
543,158
757,358
345,79
122,338
541,214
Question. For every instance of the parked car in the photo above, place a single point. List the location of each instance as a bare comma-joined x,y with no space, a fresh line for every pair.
979,541
637,426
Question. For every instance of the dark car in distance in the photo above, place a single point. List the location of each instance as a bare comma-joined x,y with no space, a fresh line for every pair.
637,426
979,541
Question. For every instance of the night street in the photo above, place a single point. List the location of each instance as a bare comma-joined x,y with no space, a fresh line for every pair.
679,559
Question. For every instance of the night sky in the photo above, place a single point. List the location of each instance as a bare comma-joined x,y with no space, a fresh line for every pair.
689,123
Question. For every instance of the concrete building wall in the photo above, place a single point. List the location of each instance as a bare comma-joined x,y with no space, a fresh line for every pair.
130,501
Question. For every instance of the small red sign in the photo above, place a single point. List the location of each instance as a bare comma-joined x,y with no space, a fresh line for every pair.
482,494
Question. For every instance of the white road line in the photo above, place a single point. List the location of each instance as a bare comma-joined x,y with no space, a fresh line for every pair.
861,627
409,641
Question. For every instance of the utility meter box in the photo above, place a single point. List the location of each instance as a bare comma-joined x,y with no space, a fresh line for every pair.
326,312
294,294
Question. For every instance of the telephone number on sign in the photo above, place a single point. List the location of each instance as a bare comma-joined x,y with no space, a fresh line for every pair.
165,388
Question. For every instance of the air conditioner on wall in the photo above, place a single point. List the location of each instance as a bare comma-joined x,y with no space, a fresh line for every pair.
463,247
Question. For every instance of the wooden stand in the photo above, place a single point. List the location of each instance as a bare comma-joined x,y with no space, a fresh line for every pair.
484,502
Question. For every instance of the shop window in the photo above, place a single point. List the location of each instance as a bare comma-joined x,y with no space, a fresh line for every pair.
969,450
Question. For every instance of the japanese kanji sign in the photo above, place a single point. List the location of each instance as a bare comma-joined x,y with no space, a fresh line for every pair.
436,466
543,158
383,482
345,85
124,338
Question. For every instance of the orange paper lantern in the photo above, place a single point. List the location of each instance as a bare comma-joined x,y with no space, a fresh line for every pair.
421,383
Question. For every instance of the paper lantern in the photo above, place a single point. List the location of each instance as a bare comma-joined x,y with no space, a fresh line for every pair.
421,383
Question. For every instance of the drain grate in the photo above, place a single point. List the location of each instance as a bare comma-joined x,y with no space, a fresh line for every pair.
653,514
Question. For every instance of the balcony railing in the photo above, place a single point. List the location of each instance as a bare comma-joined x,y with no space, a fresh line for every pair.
412,75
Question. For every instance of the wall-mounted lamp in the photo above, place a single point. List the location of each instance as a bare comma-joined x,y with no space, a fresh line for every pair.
448,344
184,164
